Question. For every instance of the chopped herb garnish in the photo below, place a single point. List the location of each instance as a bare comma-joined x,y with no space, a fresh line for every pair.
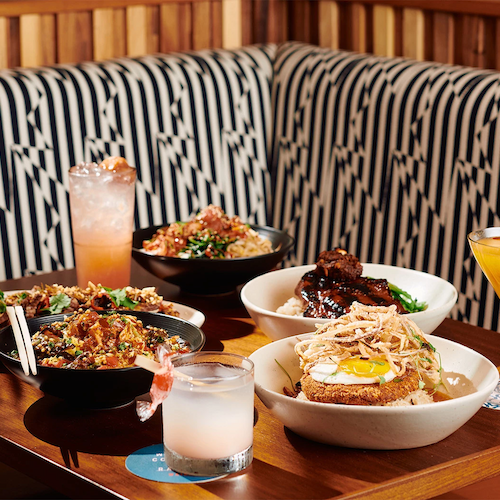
58,303
382,379
206,245
77,353
122,346
119,298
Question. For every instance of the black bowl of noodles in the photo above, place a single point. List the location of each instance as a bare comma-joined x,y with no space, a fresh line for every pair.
96,388
203,276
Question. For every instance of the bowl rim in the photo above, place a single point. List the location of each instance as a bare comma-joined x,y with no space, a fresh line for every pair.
309,267
393,409
6,356
283,250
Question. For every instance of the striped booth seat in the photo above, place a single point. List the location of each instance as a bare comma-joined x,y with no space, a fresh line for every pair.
392,159
196,126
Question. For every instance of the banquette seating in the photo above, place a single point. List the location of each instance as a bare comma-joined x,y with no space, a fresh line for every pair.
392,159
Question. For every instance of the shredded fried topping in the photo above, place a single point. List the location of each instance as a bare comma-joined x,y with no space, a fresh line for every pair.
372,332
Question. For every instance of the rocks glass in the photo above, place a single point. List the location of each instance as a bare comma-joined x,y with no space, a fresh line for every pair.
208,419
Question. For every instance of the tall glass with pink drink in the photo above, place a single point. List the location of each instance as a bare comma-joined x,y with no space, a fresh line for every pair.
102,201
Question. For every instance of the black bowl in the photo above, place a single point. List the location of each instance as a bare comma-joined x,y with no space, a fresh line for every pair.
211,276
96,388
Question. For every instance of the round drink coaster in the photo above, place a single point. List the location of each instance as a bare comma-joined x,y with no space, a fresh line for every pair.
149,463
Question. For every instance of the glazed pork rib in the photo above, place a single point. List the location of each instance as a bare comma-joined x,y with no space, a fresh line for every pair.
330,289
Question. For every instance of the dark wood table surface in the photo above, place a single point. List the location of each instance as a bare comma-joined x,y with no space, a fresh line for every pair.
82,453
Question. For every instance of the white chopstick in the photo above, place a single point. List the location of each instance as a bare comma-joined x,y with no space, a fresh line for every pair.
23,339
27,338
18,336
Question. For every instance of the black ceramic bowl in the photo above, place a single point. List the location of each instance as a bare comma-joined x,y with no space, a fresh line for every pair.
211,276
96,388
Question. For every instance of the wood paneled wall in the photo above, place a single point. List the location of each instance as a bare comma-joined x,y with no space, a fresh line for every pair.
40,32
456,32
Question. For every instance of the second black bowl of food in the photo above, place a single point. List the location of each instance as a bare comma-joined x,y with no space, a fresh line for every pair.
211,276
96,388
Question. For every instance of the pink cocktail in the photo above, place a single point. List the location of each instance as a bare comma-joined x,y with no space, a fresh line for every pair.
102,215
208,415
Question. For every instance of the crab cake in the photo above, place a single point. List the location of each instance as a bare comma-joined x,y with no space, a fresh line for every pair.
360,394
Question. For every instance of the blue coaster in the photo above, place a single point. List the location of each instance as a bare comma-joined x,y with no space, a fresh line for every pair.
149,463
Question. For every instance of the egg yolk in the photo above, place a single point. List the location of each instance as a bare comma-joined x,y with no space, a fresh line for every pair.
364,367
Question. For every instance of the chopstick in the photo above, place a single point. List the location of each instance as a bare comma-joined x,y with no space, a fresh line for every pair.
23,339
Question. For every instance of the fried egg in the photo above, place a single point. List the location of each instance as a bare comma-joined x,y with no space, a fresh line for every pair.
354,370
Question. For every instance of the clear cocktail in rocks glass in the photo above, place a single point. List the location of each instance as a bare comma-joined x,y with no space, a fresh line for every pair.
102,198
208,415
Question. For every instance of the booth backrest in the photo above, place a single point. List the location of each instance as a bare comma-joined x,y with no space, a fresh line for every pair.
391,159
196,126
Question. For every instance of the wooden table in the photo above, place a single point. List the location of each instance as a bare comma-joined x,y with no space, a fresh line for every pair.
82,453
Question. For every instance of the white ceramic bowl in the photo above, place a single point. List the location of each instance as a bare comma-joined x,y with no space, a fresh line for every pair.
264,294
372,427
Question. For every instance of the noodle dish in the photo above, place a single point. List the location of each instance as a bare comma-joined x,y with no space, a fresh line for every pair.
97,341
210,234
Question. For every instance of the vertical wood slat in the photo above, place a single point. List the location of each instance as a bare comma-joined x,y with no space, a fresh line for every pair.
74,37
202,25
414,34
10,56
37,34
475,45
170,37
497,43
300,20
246,25
217,25
109,32
384,33
232,24
328,29
275,22
359,19
143,30
443,34
259,17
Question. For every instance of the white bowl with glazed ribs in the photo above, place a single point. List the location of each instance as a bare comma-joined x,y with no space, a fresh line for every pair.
263,295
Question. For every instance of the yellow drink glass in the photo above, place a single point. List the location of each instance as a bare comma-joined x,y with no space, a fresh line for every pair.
485,245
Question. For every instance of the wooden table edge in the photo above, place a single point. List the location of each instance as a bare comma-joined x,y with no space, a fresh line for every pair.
426,484
62,478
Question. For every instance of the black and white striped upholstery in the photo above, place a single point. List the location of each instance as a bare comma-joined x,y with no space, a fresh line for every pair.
392,159
195,125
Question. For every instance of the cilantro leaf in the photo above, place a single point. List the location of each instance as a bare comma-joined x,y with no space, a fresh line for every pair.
58,303
119,298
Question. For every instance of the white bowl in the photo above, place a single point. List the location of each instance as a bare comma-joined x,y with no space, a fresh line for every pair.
264,294
373,427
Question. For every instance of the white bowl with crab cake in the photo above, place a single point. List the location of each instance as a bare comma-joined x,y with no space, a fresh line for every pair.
422,388
271,301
